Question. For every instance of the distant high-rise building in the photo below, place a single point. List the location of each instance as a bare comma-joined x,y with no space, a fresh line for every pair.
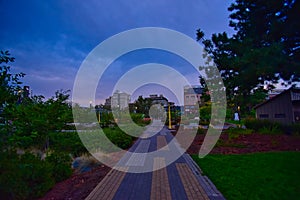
120,100
192,98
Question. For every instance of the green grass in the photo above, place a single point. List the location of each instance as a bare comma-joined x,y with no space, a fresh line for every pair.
239,131
231,121
273,175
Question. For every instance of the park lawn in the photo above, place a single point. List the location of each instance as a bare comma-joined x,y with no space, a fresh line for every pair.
273,175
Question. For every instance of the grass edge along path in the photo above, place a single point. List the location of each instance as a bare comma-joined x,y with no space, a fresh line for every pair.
272,175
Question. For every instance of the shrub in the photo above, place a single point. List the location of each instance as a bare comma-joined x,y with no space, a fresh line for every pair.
66,142
205,114
61,163
70,142
239,131
139,119
295,129
24,177
236,132
201,131
118,137
270,130
265,126
256,124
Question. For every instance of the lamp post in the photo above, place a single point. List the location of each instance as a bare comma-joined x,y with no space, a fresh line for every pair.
170,121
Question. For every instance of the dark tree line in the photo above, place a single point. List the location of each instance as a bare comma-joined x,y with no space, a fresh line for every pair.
27,122
264,49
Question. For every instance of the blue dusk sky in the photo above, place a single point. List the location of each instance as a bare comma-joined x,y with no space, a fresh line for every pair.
51,39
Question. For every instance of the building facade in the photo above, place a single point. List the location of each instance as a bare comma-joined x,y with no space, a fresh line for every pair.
120,100
283,108
192,98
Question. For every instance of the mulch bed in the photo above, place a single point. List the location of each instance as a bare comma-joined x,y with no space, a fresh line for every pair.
80,185
249,144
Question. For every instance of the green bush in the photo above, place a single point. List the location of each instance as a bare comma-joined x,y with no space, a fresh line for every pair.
201,131
295,129
70,142
61,165
256,124
229,114
269,127
241,131
118,137
205,114
266,126
236,132
24,177
139,119
270,130
66,142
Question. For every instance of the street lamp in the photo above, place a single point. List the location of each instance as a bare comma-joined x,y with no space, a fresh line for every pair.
170,122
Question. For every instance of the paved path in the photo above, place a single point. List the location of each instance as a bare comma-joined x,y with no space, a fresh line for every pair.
159,180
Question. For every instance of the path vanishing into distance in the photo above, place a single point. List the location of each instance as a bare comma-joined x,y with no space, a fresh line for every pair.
141,175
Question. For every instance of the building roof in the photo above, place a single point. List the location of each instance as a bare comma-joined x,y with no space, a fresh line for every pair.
291,89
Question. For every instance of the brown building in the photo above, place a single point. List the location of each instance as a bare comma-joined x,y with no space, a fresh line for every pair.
284,107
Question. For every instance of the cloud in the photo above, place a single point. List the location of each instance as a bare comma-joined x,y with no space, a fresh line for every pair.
48,67
52,39
152,74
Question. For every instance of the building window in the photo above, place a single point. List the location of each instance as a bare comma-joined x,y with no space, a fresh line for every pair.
263,116
281,115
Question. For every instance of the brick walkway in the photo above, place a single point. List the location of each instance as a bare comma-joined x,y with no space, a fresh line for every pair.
180,180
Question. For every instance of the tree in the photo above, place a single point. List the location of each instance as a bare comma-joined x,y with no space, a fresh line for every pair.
9,83
28,123
9,87
143,105
264,49
33,119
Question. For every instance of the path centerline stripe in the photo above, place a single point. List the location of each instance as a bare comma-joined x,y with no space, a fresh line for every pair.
191,185
162,143
160,188
107,188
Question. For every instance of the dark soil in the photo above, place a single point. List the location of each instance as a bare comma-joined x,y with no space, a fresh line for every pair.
249,144
80,185
77,186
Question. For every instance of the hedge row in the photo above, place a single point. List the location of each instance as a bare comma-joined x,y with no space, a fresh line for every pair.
270,127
